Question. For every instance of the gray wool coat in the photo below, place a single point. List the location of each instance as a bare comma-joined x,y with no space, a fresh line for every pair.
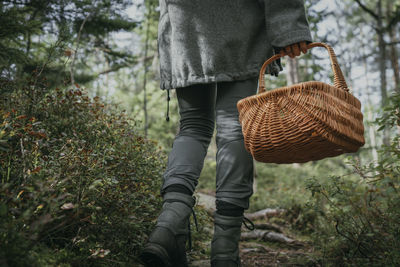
203,41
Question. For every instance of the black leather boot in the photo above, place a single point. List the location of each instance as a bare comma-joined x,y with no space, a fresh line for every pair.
225,243
166,246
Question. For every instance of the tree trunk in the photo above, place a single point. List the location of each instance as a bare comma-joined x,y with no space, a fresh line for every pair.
145,73
382,67
394,55
394,62
371,127
393,51
292,71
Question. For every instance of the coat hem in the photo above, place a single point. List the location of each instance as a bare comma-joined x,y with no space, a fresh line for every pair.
220,77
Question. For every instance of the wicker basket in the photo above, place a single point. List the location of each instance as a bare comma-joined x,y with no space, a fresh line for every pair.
302,122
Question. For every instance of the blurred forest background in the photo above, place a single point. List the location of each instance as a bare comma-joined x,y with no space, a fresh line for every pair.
84,140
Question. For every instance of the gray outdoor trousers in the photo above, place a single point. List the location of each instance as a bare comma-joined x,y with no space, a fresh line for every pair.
201,106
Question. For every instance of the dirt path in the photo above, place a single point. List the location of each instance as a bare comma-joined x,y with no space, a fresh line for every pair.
256,254
260,252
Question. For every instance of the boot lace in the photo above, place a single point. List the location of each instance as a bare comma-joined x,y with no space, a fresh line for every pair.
190,232
247,221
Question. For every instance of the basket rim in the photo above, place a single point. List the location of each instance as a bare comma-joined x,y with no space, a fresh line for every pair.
298,86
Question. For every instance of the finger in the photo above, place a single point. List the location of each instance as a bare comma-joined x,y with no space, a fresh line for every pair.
288,51
296,50
303,47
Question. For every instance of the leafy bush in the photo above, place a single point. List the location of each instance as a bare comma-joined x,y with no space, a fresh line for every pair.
359,219
79,185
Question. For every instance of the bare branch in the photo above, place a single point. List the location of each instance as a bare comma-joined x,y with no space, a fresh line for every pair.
76,48
394,20
366,9
393,43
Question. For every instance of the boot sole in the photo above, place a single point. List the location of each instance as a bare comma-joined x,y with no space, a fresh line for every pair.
154,255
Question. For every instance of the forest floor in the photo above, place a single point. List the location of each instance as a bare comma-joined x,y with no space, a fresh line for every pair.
272,243
258,253
257,248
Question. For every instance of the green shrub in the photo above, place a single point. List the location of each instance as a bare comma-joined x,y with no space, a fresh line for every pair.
79,185
359,219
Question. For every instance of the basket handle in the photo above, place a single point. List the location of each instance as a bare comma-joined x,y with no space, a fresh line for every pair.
338,81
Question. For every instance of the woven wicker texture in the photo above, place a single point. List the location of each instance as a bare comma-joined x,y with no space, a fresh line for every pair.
302,122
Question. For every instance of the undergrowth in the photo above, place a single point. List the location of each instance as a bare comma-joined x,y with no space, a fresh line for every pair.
79,185
358,222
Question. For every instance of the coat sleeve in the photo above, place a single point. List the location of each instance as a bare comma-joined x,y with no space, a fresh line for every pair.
286,22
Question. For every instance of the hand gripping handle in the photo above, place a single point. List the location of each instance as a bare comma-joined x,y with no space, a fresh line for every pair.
338,81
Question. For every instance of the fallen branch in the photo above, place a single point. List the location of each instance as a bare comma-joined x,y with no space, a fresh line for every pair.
249,247
264,235
268,226
265,213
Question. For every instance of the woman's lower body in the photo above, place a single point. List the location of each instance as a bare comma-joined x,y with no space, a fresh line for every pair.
201,107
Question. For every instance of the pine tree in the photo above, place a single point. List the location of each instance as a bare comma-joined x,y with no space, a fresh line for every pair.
34,33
